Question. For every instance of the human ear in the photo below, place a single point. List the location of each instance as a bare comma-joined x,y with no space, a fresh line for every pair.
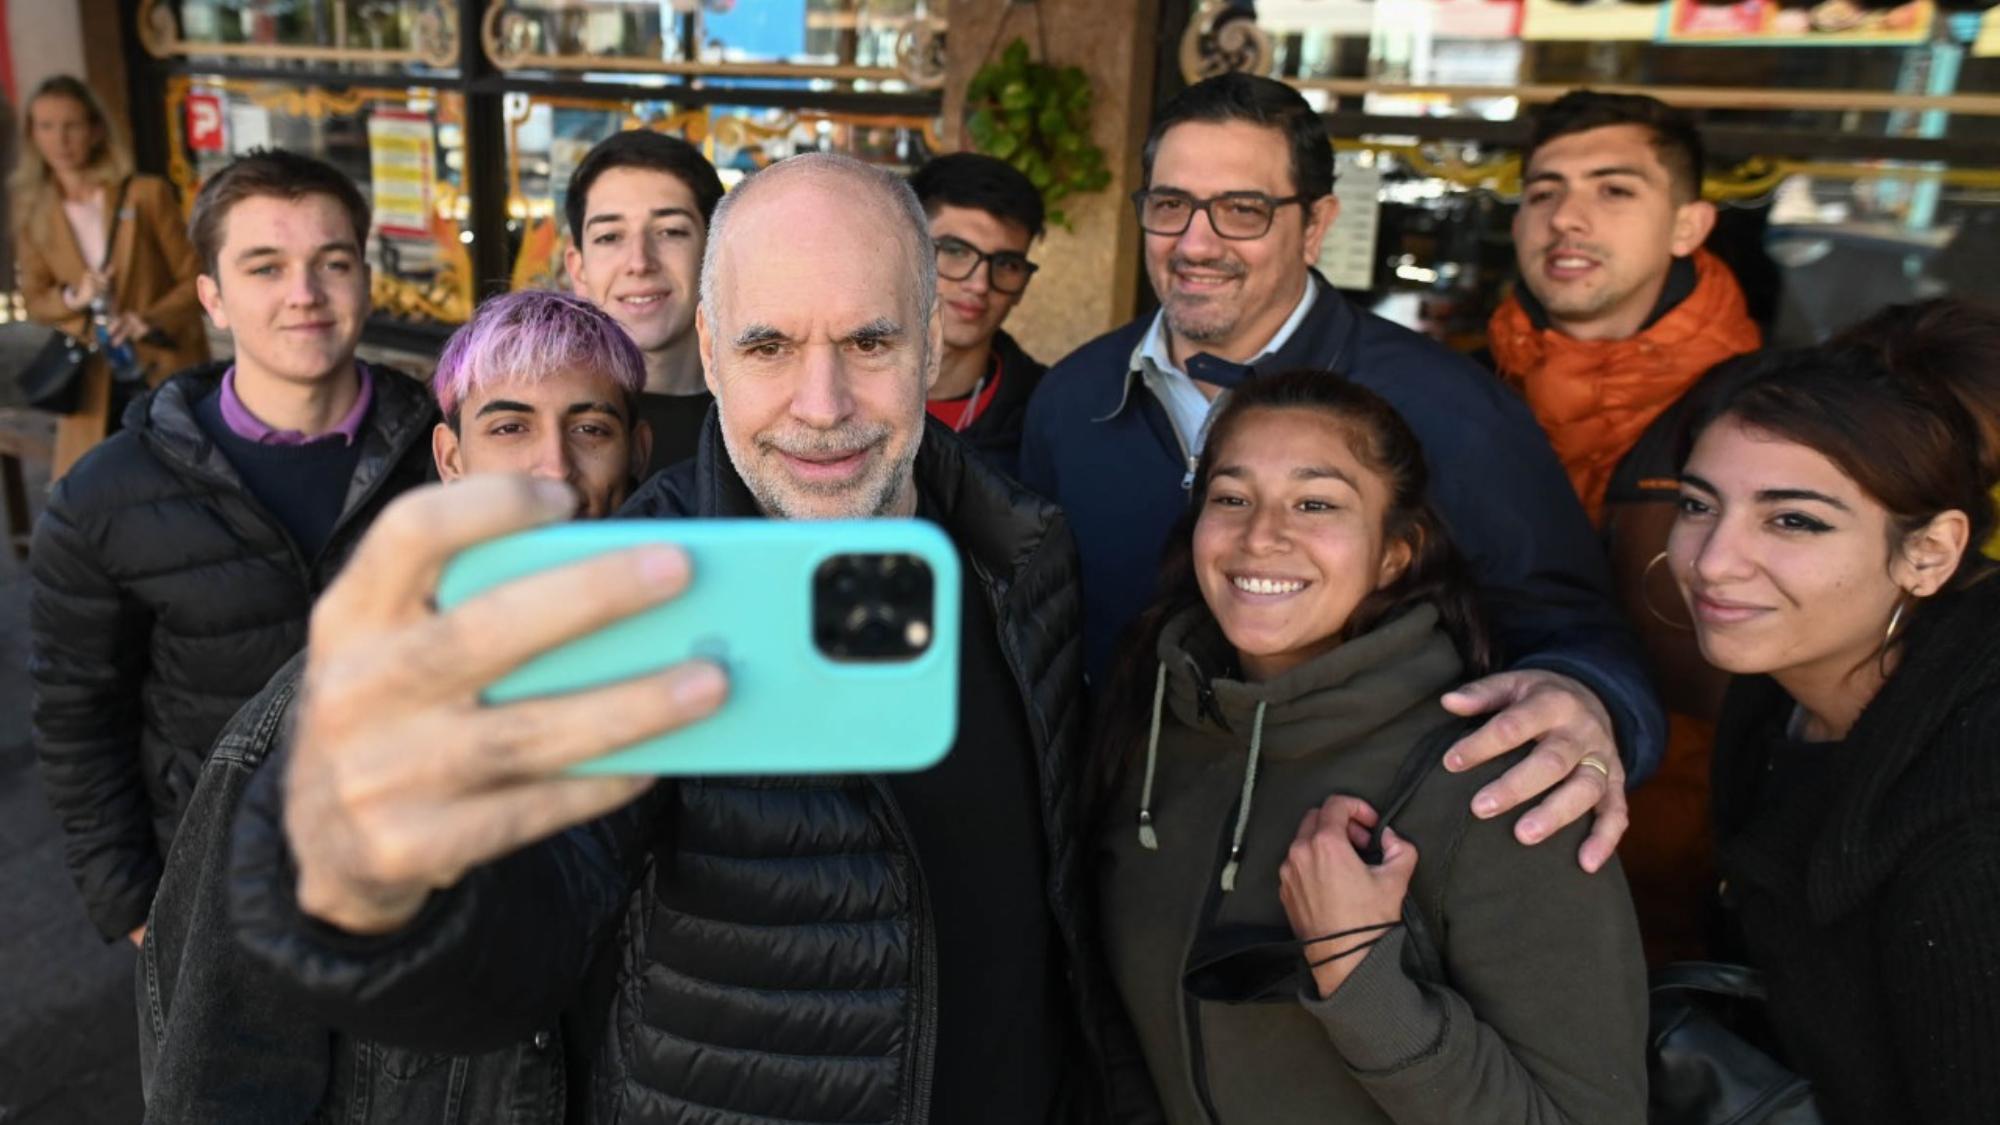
1320,215
209,292
446,453
1692,224
1930,554
1397,555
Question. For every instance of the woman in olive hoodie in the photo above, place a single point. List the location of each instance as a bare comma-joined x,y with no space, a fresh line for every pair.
1305,921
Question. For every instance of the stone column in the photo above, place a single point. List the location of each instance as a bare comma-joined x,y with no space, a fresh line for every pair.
1089,278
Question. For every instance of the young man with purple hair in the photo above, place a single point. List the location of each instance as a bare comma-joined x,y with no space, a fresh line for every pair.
537,383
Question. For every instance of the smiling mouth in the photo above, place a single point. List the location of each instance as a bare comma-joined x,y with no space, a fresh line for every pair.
643,302
1714,612
1267,587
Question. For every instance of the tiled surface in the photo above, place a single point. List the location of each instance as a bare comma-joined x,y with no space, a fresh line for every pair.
68,1020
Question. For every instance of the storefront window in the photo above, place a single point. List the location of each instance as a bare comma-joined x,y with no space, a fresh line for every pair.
404,147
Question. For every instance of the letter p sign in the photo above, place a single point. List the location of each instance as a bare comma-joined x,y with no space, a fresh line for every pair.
204,123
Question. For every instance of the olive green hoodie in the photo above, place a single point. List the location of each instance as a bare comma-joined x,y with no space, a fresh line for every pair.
1515,992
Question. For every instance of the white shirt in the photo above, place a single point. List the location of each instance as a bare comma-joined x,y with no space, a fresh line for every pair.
1186,405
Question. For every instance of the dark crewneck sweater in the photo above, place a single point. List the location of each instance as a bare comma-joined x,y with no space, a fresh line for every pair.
1865,877
304,486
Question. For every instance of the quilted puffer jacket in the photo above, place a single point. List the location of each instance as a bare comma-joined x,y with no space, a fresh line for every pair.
164,597
776,962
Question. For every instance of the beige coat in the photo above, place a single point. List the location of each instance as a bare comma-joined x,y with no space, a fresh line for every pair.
153,270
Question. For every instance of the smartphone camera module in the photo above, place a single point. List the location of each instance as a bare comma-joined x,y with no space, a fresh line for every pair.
873,607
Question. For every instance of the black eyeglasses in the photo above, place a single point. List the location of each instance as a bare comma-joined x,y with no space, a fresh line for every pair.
1007,272
1240,215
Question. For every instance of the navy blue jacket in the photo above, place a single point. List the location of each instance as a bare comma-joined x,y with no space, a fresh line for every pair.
1099,444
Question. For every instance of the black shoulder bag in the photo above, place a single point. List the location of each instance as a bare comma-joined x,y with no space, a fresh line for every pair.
53,379
1702,1063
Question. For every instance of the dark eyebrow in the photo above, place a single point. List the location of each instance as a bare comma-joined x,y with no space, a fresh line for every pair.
503,406
1546,176
1325,472
756,335
1780,495
1772,495
342,245
655,213
881,328
595,407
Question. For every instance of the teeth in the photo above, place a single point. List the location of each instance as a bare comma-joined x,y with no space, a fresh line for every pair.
652,300
1268,585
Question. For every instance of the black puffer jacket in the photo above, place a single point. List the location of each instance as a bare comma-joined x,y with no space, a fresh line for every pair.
164,597
776,964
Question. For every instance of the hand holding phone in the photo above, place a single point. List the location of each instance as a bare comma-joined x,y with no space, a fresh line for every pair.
401,777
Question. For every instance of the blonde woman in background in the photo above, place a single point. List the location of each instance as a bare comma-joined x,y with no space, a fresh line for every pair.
72,167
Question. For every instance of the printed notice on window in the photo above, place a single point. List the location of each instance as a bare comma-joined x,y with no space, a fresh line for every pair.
400,161
1347,257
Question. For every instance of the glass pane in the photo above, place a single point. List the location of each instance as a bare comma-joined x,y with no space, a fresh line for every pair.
363,36
548,136
404,147
815,44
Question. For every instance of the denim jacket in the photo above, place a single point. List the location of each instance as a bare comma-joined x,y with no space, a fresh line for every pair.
221,1038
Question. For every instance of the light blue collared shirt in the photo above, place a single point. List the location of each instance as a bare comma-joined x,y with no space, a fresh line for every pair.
1170,383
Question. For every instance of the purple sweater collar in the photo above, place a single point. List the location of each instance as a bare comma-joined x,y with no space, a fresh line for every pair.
249,427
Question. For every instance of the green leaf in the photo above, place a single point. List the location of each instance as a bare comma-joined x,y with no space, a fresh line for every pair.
1098,181
1015,57
1016,95
980,126
981,86
1004,145
1041,177
1056,191
1070,144
1020,121
1057,218
1052,124
1072,79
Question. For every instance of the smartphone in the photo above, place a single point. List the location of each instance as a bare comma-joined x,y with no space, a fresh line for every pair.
840,639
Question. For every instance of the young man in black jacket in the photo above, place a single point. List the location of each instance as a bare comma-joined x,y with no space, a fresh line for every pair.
175,565
638,206
985,216
908,949
1239,196
538,383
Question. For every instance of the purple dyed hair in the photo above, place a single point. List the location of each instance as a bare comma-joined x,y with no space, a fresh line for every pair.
529,336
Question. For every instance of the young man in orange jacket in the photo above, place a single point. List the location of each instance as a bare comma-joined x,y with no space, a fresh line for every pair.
1618,315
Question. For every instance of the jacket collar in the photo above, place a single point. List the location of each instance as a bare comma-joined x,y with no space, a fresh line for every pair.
1682,277
1324,339
402,415
1326,703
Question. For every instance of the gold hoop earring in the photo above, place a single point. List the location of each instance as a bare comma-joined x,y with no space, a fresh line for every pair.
1889,637
1646,596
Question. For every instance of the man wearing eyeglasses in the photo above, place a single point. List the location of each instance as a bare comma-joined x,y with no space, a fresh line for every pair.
1239,194
984,216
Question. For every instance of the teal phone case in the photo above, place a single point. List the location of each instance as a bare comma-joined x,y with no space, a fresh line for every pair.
748,606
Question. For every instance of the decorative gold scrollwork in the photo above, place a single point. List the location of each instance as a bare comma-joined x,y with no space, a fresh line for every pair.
920,52
433,41
1221,39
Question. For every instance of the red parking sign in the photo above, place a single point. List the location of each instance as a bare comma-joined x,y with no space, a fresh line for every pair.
204,123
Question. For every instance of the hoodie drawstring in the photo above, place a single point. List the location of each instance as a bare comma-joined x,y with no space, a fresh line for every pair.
1149,839
1243,806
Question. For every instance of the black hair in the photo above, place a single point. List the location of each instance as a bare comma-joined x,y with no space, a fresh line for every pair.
642,148
1676,138
1259,101
983,183
1381,440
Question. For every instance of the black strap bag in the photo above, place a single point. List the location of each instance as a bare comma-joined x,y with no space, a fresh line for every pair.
1703,1061
53,379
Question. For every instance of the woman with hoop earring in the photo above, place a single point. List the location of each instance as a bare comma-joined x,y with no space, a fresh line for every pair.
1826,552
